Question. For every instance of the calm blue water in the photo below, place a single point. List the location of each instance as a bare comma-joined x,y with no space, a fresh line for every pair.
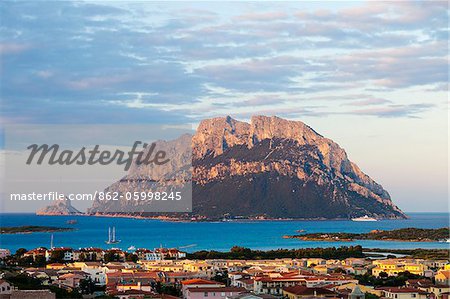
92,231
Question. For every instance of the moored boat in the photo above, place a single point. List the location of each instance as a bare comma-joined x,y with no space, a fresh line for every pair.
364,218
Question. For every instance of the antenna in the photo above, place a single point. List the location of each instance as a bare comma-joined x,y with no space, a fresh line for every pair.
51,242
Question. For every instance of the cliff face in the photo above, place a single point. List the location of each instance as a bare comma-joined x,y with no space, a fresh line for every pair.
276,168
279,168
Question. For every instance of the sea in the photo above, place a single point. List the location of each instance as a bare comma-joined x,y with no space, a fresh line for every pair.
91,231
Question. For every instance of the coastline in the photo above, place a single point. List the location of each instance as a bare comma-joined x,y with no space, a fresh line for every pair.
181,219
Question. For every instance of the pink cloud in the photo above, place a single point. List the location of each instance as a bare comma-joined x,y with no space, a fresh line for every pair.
13,48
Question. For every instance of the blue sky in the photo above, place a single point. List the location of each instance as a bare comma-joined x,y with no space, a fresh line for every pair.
373,76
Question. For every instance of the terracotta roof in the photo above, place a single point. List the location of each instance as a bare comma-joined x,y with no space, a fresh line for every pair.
446,273
302,290
246,281
70,275
219,289
401,290
129,292
199,281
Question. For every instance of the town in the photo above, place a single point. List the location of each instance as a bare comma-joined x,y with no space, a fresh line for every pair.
164,273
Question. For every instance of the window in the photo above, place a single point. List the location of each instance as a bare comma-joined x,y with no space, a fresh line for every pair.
205,294
413,295
222,294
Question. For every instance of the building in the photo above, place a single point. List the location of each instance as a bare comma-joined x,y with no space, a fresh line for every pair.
91,254
133,285
93,269
390,267
247,284
131,294
65,252
148,255
403,293
41,251
199,283
71,280
357,293
4,253
439,290
443,277
213,292
5,288
32,294
417,269
250,295
299,291
274,286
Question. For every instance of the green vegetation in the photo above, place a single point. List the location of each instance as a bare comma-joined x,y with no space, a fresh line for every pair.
32,229
25,282
416,253
385,280
403,234
246,253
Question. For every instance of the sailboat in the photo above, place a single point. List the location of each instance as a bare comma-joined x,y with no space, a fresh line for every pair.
112,236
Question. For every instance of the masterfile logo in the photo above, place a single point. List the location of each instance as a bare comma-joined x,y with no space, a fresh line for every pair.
101,168
93,156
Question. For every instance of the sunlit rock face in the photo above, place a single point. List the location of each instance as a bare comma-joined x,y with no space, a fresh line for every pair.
272,168
280,169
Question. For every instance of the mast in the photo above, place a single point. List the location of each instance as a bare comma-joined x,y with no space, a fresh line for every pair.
109,234
113,234
51,242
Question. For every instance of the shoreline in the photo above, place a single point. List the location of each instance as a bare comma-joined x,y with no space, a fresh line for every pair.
173,219
31,229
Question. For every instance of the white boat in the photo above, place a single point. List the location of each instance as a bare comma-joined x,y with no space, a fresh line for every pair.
131,248
364,218
112,236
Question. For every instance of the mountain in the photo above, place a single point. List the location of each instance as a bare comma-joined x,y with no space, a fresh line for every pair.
59,207
276,168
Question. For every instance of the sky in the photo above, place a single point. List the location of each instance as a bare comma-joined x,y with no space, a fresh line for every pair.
372,76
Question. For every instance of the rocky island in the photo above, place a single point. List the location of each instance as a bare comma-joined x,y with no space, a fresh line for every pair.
403,234
28,229
271,168
59,207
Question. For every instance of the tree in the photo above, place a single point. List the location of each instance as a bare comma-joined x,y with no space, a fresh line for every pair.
40,261
57,256
111,256
87,286
25,261
131,257
383,274
82,257
20,252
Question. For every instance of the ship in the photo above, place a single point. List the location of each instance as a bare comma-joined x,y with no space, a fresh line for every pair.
112,236
364,218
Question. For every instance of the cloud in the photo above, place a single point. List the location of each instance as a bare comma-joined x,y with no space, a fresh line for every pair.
100,59
262,16
394,110
13,48
368,102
